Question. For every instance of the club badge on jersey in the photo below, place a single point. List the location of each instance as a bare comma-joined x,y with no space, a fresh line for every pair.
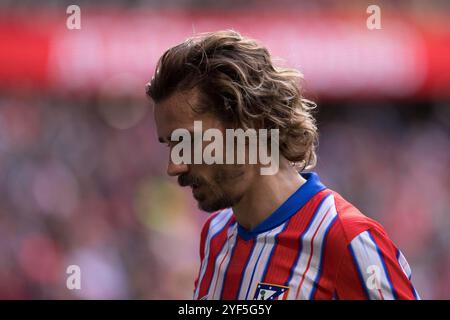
267,291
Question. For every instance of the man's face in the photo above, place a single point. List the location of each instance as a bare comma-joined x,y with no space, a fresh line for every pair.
214,186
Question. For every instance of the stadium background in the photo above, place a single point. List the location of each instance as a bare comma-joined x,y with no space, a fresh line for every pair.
82,177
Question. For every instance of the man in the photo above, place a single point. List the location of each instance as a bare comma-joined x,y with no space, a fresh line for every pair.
272,236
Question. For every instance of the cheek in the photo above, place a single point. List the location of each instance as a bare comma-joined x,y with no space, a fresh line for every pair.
231,177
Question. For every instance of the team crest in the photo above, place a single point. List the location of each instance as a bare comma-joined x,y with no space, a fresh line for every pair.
267,291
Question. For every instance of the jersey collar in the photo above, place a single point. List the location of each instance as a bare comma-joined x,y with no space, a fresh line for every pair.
291,206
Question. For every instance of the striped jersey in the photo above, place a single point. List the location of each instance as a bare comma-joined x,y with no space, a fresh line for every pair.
316,245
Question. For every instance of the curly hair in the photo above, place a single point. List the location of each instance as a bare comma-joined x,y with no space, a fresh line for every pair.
241,85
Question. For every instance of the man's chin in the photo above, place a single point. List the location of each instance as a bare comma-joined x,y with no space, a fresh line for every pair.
211,201
213,206
208,207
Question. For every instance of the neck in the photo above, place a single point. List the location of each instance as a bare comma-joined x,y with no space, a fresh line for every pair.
266,194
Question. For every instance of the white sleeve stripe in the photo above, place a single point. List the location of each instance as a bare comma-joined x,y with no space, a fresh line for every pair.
407,270
404,264
371,267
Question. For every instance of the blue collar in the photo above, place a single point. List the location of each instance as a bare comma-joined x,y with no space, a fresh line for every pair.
291,206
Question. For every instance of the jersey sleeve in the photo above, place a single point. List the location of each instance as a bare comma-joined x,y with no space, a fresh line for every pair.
373,268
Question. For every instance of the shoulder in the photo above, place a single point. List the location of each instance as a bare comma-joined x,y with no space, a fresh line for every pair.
351,221
349,226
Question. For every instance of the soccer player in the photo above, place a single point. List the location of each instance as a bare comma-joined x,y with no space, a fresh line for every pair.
277,236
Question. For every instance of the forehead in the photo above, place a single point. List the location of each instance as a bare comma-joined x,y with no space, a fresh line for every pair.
176,112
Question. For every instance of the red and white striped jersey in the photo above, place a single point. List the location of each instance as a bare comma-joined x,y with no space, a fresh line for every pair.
316,245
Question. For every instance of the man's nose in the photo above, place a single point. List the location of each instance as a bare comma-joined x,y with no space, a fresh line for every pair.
174,170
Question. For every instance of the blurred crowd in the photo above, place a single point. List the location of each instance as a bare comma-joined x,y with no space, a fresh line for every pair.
82,182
